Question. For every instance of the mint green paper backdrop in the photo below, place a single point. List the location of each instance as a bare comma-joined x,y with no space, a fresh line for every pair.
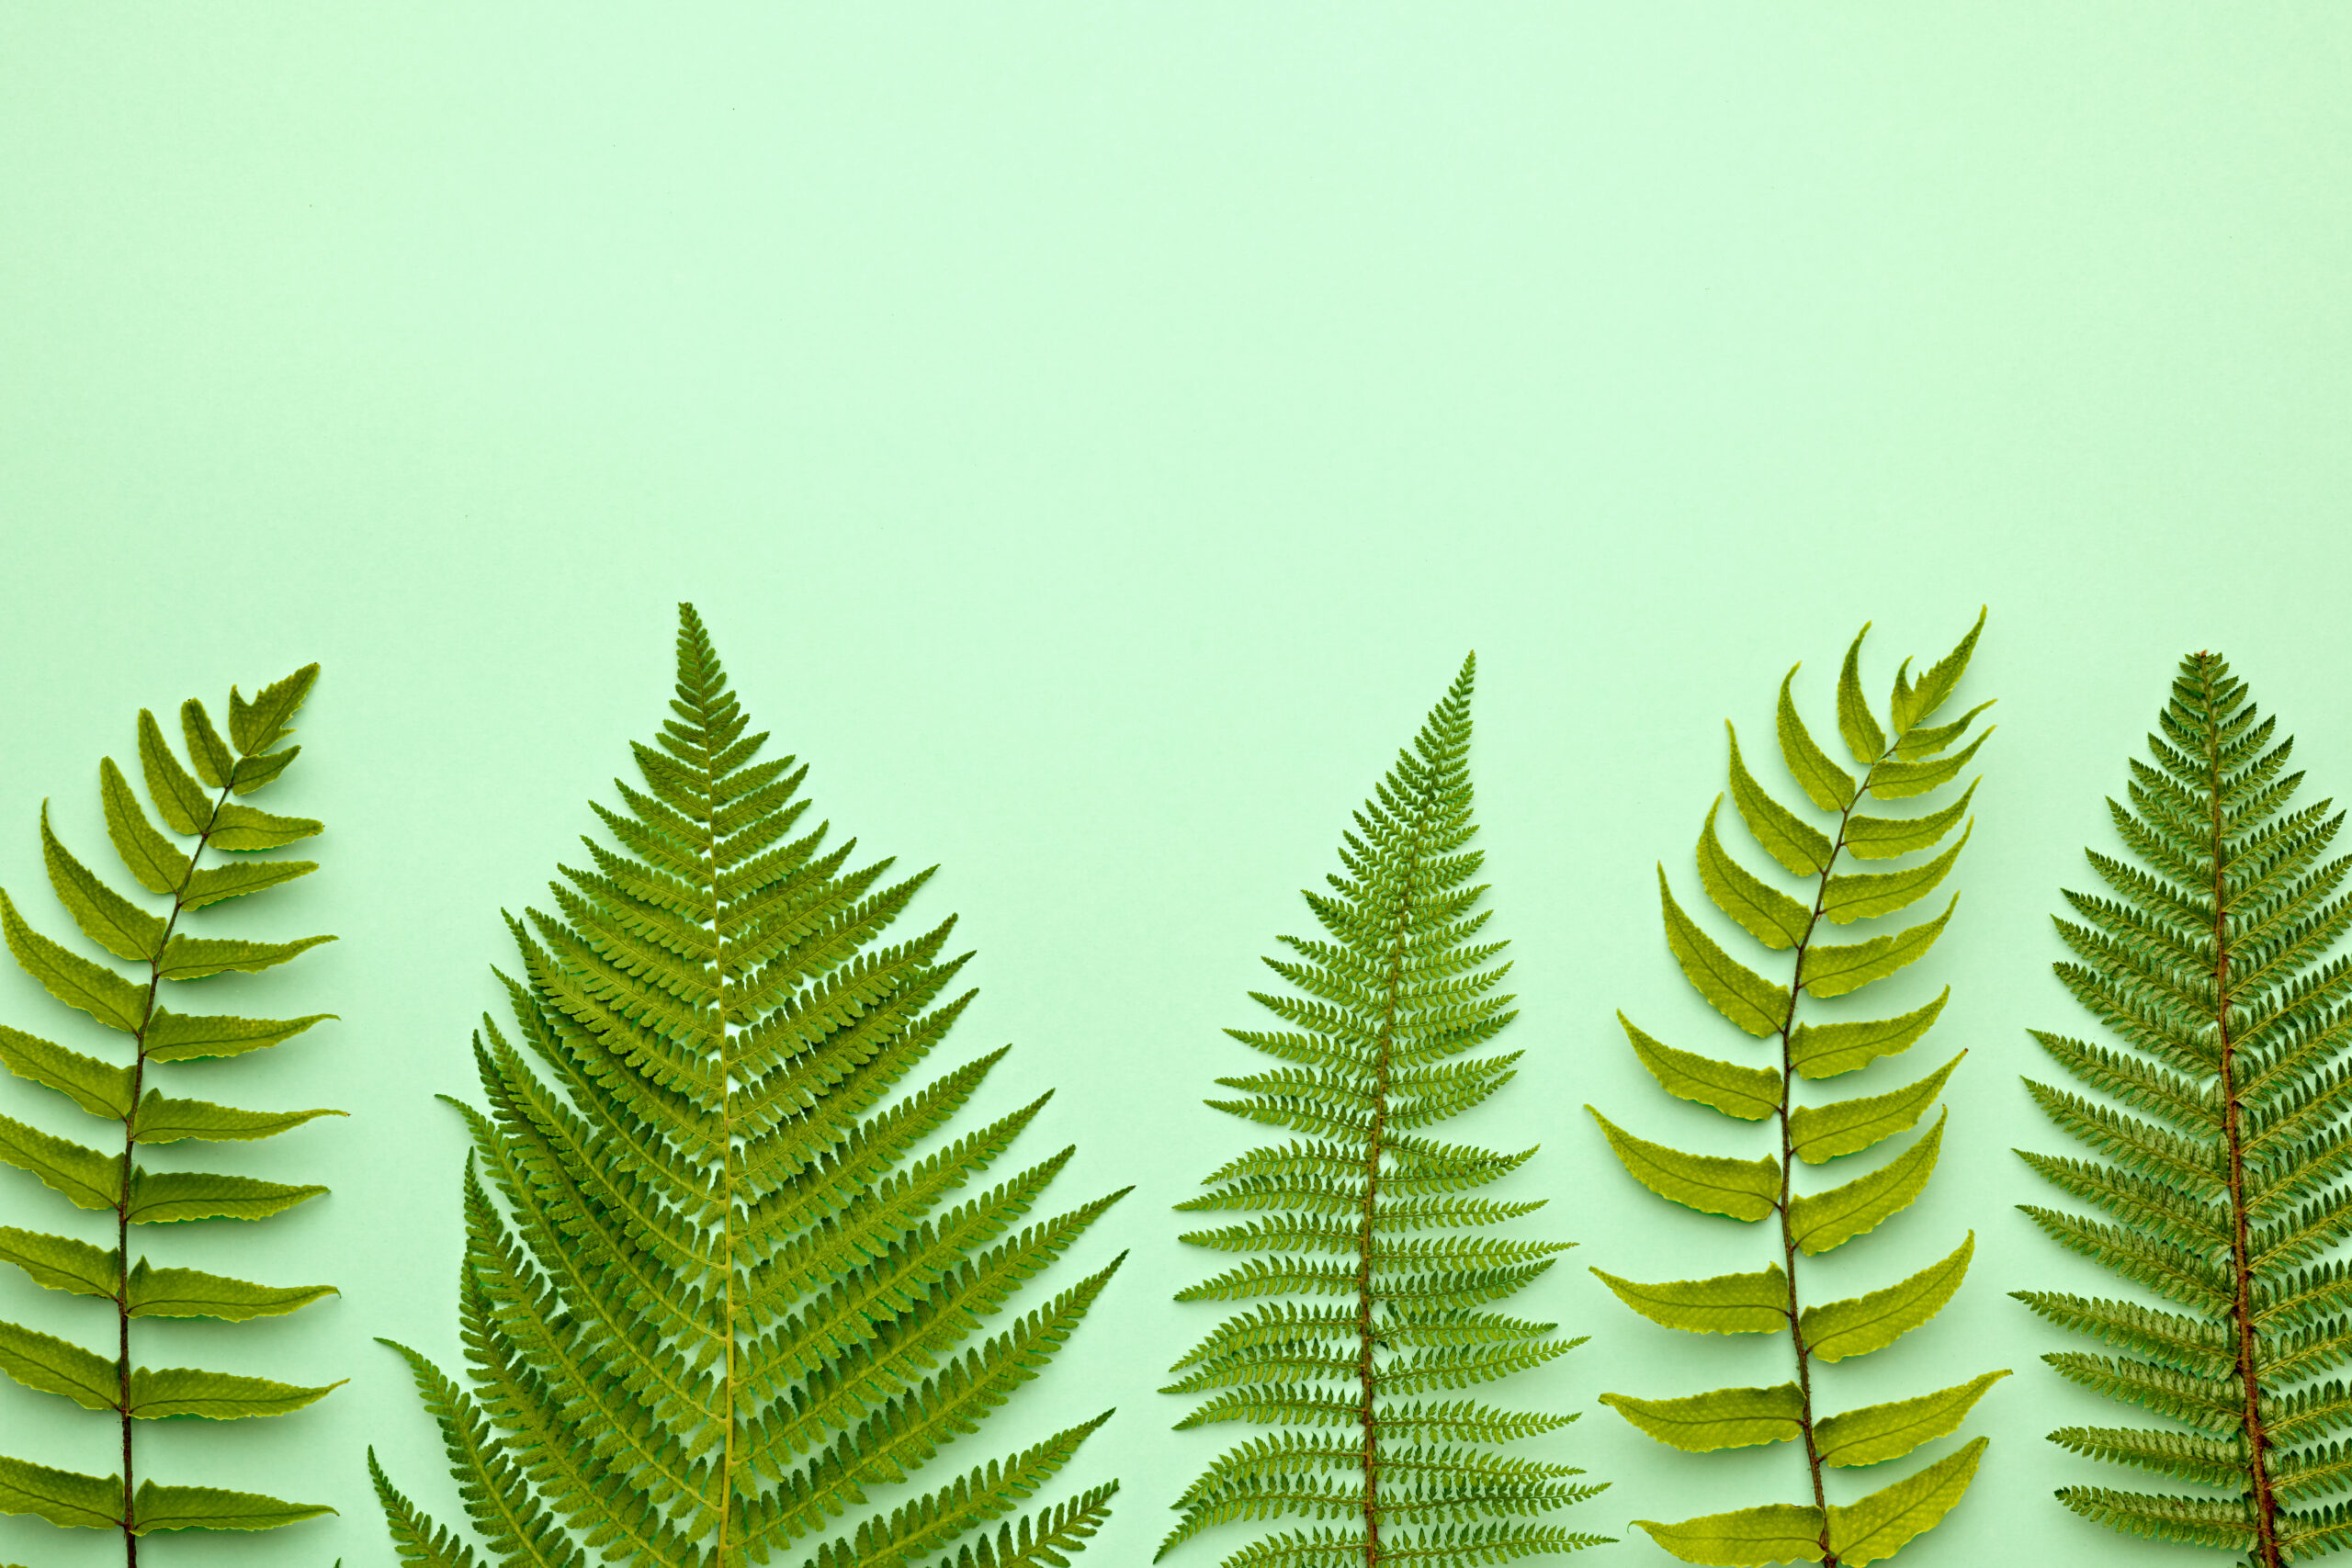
1094,433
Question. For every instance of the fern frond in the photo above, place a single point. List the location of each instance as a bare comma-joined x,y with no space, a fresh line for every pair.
2215,963
720,1287
181,866
1896,762
1371,1220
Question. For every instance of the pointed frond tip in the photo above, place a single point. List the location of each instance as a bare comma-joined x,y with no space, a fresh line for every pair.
732,1266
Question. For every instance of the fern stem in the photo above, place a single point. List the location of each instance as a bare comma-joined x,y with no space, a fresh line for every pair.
1366,1338
122,1193
1788,1249
2265,1501
724,1481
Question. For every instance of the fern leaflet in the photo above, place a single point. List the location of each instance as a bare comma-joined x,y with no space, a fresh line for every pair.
1904,758
2220,1133
1363,1322
163,952
714,1296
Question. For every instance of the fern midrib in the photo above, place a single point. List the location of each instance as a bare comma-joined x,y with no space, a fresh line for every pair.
1788,1248
2266,1504
1368,1413
723,1481
130,1147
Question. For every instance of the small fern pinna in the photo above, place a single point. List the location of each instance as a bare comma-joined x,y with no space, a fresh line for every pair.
715,1295
1363,1214
212,856
2211,960
1906,758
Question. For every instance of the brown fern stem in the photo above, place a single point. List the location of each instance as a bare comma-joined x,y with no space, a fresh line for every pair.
1367,1411
1367,1334
1788,1249
122,1192
2257,1439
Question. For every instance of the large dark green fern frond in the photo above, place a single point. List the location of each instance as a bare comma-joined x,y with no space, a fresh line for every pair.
1364,1253
714,1297
1903,760
211,854
2222,1148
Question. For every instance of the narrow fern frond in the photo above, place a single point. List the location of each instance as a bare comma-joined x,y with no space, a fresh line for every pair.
2216,964
721,1288
1895,766
1371,1221
211,848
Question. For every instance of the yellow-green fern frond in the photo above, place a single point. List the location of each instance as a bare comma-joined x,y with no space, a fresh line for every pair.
1902,758
211,847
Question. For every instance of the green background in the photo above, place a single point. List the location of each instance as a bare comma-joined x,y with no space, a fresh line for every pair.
1094,433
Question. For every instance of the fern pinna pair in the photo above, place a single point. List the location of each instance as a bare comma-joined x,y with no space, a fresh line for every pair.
732,1281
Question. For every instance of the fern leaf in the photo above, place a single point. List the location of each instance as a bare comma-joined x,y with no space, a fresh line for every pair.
2193,1521
1859,1325
1899,759
1831,1050
1741,995
61,1496
2208,959
1799,847
1736,1188
417,1541
1822,1133
213,1508
1728,1304
1367,1217
1723,1418
1862,896
1749,1093
61,1263
191,1293
1890,838
1746,1538
1879,1526
178,865
718,1295
2183,1456
1876,1433
1820,1221
1833,970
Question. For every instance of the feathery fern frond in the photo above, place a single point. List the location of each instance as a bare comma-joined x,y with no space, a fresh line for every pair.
714,1296
1368,1218
1903,760
186,866
2213,955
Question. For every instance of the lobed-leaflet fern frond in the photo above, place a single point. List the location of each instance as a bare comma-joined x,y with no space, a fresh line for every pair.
1366,1257
715,1296
214,852
1904,758
2223,1151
